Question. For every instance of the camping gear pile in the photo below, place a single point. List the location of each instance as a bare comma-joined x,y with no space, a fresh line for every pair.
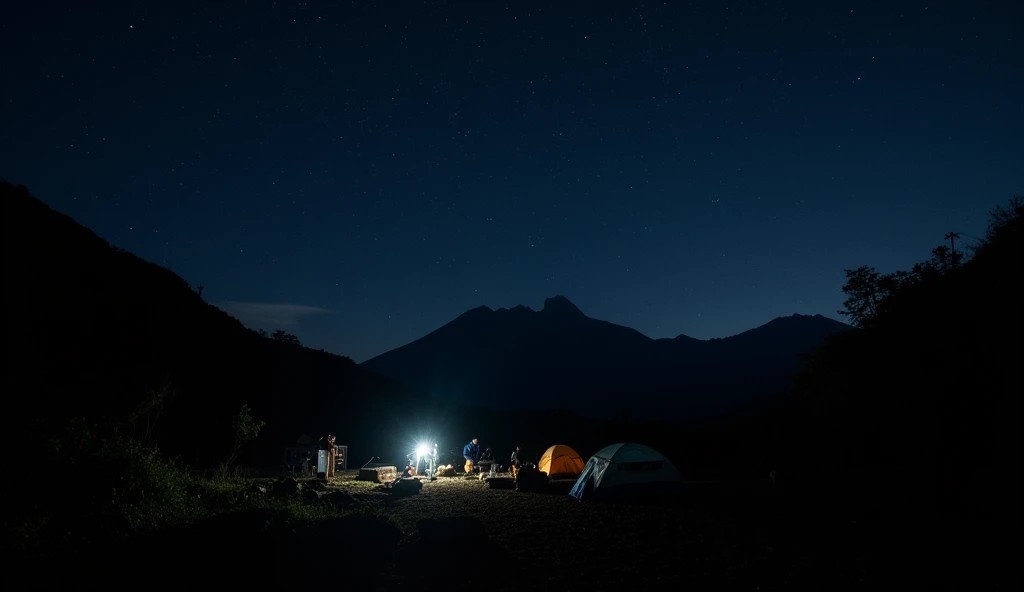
501,483
445,471
491,472
531,480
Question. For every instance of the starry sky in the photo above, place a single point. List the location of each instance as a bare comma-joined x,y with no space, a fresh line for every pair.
361,173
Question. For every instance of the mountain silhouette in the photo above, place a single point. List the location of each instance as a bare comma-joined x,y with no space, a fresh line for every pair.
524,359
90,329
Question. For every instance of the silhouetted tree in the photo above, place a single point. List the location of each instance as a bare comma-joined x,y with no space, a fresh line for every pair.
869,293
945,260
146,416
1004,221
245,430
928,394
280,335
864,295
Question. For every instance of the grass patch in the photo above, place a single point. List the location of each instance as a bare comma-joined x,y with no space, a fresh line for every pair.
113,487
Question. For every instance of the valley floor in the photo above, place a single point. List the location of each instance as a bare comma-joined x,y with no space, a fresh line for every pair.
716,536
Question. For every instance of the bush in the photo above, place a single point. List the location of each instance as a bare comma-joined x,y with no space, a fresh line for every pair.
107,485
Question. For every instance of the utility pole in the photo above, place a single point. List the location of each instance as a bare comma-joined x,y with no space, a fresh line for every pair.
200,288
952,236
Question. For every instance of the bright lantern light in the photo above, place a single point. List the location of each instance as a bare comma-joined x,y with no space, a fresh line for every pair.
423,450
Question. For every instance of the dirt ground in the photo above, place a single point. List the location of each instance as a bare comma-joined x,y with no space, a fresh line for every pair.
752,536
459,534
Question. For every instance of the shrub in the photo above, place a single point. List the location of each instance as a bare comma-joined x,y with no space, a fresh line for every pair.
107,485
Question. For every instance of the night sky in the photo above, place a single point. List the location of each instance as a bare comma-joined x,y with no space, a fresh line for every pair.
359,174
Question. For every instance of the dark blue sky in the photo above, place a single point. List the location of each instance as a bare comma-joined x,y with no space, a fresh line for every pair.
361,173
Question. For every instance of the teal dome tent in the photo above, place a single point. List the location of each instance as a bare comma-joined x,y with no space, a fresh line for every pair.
627,470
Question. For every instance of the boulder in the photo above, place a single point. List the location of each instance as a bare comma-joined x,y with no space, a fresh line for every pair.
258,488
501,483
337,499
406,487
309,496
316,485
287,486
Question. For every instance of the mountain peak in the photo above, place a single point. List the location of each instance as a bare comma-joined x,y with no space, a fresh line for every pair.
475,313
561,305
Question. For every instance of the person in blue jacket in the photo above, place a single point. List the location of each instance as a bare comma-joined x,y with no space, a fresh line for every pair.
471,452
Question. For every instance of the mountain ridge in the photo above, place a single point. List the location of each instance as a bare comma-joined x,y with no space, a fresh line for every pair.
484,309
485,355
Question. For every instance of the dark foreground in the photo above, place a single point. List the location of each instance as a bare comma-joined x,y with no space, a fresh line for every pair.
457,533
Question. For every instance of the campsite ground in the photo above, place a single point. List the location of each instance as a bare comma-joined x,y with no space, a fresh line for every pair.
457,533
719,535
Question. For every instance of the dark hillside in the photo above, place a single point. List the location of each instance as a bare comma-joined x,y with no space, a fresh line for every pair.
92,330
926,398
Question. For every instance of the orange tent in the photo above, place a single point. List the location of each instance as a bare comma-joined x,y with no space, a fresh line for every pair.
561,461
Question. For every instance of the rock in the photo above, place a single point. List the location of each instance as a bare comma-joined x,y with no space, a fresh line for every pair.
406,487
315,485
501,483
338,499
287,486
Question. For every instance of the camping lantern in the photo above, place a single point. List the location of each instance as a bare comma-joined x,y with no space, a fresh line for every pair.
428,456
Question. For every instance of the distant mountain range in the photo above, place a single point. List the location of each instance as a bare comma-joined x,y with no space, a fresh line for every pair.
93,331
558,357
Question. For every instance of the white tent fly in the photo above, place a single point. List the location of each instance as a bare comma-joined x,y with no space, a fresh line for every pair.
627,470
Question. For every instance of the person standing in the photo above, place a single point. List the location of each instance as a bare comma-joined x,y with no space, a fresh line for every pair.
330,455
513,467
471,452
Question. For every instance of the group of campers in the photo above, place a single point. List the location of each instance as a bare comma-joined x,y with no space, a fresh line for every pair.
477,460
484,461
619,470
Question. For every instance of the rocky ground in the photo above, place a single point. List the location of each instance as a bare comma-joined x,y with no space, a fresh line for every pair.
456,533
738,535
